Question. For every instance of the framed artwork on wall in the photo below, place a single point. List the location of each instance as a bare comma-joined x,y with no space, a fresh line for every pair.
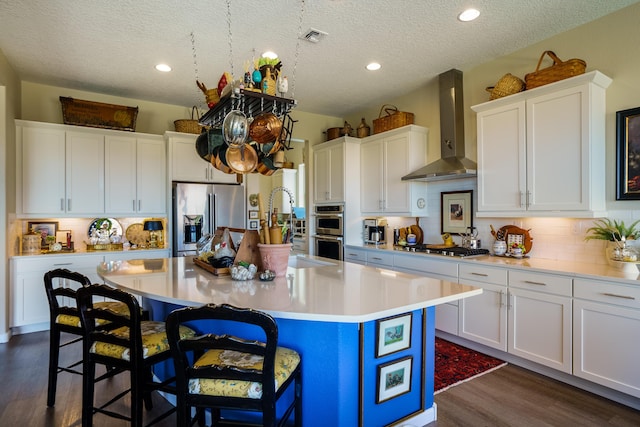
394,379
628,154
456,211
394,334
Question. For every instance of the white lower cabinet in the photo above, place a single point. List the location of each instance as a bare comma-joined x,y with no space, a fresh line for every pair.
539,320
29,310
483,318
606,338
522,313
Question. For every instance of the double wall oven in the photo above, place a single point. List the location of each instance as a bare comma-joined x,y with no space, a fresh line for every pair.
329,231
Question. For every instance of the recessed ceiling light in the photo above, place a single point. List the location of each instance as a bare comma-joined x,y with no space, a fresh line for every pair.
163,67
270,55
373,66
469,15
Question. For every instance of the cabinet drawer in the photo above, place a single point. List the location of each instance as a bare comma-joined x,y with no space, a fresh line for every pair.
355,255
425,264
627,296
540,282
380,258
477,273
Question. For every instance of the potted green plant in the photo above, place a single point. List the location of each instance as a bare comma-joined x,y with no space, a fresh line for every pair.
612,230
616,234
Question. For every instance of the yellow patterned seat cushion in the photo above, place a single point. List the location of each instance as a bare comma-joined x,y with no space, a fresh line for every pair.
114,306
286,362
154,340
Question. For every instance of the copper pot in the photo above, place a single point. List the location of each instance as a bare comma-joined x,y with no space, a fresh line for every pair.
265,128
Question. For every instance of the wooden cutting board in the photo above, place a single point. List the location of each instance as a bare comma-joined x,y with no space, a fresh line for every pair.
413,229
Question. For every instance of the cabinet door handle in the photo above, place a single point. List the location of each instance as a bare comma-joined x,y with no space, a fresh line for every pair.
528,198
376,258
133,204
62,204
502,298
608,294
63,263
479,274
68,205
139,205
521,198
530,282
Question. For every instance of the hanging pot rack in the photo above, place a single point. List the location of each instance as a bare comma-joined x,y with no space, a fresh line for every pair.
250,103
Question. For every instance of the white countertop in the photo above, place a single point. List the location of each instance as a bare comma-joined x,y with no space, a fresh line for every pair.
314,289
629,274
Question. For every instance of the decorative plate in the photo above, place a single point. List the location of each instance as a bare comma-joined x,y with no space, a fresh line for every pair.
137,235
112,223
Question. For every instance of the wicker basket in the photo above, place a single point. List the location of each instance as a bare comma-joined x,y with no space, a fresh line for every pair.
507,85
97,114
189,125
393,119
560,70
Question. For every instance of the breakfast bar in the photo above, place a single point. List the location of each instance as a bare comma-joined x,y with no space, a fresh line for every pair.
365,335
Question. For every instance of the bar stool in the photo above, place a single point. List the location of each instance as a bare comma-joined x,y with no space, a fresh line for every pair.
60,285
130,344
231,372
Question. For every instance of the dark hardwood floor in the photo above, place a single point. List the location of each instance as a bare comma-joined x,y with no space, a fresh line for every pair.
509,396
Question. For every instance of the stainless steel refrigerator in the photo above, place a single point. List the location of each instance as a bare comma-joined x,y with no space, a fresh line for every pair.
199,209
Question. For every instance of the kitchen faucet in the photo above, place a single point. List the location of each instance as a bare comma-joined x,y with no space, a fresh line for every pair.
286,190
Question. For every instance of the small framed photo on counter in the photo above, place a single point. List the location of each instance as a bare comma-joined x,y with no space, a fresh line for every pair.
45,229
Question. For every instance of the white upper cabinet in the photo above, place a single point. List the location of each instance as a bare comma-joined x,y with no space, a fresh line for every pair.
187,165
385,159
542,152
71,171
333,169
135,175
60,172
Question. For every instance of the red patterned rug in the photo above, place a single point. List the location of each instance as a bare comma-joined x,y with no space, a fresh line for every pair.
456,364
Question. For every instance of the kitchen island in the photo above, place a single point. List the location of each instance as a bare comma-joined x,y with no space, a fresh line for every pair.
335,314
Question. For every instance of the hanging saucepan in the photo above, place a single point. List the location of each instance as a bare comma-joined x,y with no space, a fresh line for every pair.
265,167
235,128
265,128
207,141
219,159
243,159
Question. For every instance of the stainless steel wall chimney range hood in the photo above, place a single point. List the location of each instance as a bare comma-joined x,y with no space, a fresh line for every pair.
453,164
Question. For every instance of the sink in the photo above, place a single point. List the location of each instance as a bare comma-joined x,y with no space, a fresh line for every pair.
302,262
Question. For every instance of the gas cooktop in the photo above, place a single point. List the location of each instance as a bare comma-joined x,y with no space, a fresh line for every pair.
453,251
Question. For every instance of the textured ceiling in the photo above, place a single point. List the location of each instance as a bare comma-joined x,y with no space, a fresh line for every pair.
112,47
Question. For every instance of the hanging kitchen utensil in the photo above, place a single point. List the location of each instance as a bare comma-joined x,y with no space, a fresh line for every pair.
265,128
234,128
243,159
207,141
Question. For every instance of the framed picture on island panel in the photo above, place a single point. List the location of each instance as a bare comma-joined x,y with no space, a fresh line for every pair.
253,225
45,229
394,334
628,154
394,379
253,215
457,211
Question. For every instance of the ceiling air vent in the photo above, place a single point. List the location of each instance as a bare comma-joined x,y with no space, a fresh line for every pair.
314,36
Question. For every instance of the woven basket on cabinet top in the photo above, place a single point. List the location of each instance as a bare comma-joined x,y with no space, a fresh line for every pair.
560,70
189,125
507,85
